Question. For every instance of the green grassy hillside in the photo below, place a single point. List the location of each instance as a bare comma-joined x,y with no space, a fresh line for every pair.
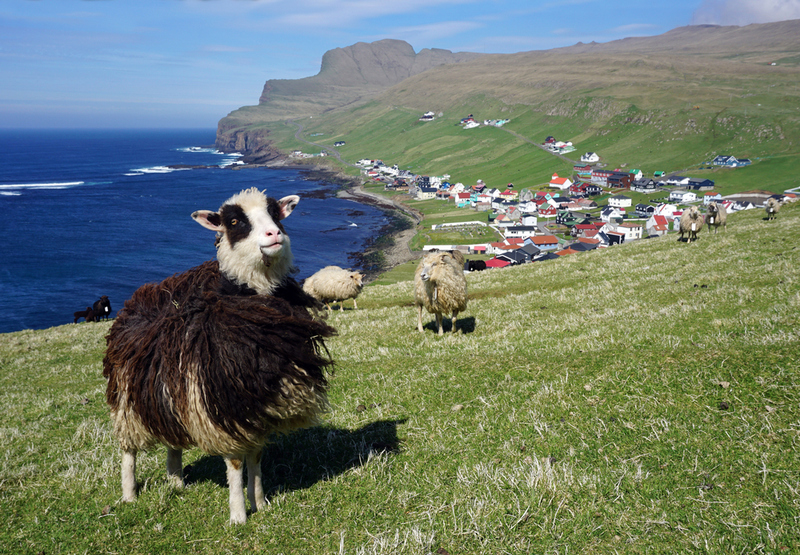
668,103
639,399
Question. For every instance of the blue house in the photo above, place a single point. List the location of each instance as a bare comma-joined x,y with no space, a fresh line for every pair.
730,161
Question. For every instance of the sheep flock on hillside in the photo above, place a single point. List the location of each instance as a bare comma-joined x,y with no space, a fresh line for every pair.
221,356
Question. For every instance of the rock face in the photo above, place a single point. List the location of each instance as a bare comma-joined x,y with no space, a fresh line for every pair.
348,75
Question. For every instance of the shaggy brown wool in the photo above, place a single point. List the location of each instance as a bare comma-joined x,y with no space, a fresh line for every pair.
240,351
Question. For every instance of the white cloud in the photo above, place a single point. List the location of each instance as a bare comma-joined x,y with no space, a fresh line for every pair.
744,12
427,34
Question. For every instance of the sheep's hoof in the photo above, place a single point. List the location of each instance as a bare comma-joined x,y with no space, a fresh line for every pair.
238,518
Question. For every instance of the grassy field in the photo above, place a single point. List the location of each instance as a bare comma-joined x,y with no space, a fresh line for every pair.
639,399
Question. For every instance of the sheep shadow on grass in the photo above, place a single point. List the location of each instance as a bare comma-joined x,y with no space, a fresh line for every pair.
463,325
305,457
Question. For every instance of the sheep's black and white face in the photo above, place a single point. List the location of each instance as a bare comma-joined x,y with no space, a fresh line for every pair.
712,208
252,242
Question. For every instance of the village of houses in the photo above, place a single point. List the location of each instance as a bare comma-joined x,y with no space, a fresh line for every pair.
564,219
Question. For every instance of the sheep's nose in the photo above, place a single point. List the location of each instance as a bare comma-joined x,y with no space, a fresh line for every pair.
272,233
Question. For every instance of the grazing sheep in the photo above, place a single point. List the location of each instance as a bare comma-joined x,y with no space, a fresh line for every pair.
332,284
772,207
221,356
717,216
102,308
691,223
440,286
476,265
88,314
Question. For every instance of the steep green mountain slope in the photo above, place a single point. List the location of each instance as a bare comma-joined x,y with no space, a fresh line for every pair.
658,103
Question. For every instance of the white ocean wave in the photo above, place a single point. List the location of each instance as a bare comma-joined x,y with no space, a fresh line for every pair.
157,169
56,185
198,149
10,193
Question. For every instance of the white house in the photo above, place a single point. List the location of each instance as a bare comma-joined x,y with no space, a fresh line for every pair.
666,210
681,196
426,193
529,219
711,197
619,201
520,231
590,157
560,182
677,181
631,230
611,212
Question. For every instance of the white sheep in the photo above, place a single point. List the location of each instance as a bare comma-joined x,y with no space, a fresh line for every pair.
332,284
717,216
691,223
440,286
221,356
772,207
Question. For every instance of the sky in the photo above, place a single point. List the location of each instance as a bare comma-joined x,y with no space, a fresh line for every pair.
188,63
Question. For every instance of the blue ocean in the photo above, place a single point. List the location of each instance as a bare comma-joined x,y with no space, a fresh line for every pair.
100,212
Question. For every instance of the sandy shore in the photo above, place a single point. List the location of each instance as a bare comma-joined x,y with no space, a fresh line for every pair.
400,252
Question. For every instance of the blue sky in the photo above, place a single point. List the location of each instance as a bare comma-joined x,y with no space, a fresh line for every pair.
188,63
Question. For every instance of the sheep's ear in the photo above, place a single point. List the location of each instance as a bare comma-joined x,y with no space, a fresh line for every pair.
209,220
287,204
458,256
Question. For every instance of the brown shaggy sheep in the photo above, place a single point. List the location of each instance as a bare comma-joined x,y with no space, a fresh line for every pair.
221,356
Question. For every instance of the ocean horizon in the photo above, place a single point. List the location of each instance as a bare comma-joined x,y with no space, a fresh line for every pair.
101,212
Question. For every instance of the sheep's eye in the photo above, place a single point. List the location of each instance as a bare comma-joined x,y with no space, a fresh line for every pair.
234,222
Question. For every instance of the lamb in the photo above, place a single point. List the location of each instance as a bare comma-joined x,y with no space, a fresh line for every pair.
332,284
717,216
772,207
102,308
440,286
221,356
88,314
691,223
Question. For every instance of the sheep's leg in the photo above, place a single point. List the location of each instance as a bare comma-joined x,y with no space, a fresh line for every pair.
419,318
128,475
234,468
439,323
341,305
255,490
175,466
355,305
453,320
